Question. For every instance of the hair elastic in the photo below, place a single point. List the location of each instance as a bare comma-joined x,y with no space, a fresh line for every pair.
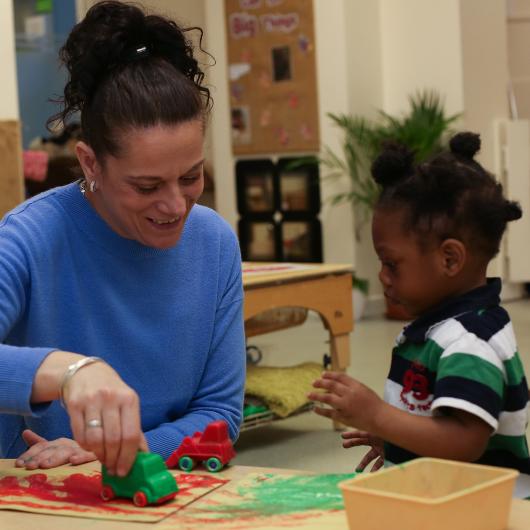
140,52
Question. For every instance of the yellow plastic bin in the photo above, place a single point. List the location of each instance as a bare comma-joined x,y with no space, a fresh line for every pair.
430,494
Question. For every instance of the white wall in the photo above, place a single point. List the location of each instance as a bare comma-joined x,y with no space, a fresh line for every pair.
183,11
485,70
9,99
220,126
333,96
421,48
364,57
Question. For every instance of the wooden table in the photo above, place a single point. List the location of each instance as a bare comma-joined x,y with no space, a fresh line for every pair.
326,289
18,520
15,520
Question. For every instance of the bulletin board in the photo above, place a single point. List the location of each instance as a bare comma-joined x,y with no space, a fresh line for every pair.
11,177
272,76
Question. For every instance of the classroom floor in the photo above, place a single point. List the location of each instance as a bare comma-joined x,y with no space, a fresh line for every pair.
307,441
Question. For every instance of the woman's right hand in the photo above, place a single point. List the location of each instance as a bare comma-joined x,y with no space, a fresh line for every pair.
105,416
376,452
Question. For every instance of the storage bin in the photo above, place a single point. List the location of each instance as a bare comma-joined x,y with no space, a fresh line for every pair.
430,494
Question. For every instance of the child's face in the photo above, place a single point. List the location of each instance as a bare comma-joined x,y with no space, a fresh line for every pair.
411,275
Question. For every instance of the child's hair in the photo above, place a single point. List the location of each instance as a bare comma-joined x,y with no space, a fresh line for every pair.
129,70
449,196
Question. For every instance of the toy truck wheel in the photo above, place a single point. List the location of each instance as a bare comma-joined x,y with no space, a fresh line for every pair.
214,464
140,499
107,493
186,463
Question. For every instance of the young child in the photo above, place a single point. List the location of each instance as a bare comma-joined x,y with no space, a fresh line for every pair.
456,387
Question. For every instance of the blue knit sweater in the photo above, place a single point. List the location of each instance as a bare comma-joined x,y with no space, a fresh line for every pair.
168,321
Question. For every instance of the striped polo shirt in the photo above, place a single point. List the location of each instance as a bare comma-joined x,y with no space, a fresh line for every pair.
463,355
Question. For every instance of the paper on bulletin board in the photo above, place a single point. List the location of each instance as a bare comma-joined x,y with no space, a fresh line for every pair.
272,76
68,491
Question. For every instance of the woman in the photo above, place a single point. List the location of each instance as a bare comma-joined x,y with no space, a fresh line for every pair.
119,296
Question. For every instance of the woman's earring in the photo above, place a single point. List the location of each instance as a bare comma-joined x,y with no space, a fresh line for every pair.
93,186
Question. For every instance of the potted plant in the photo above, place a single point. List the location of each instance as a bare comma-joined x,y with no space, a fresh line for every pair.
359,295
424,129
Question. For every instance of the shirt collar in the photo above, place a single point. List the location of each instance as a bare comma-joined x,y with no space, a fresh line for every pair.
480,298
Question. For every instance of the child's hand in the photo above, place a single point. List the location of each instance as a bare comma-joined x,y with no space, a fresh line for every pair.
356,438
351,402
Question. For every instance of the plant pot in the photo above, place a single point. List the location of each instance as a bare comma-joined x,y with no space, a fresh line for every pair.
359,304
396,311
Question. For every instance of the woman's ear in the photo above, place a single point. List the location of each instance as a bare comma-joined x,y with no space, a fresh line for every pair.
453,256
87,160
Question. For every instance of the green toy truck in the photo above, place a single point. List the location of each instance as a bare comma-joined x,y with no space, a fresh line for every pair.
148,481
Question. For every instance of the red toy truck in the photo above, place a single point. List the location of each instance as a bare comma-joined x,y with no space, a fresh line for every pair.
213,447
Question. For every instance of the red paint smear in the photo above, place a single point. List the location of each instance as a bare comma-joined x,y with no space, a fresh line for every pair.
187,482
77,488
81,492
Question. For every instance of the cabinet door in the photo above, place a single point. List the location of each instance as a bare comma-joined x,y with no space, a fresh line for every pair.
11,178
517,187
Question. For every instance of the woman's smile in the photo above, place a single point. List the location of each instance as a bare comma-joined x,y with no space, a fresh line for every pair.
164,224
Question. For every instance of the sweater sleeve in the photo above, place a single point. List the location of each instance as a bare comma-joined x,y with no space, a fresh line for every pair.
18,364
221,390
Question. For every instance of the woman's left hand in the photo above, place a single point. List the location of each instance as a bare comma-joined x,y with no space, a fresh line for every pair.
46,454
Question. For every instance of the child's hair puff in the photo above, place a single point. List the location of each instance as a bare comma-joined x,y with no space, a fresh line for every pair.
449,196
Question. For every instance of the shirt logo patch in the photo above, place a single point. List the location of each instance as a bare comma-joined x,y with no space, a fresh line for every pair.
415,383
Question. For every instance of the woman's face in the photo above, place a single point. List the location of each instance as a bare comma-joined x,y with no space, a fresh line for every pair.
147,191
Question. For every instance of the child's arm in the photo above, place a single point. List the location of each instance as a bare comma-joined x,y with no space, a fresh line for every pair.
457,436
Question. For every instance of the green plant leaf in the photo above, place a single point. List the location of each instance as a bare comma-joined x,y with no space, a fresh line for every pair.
361,284
424,129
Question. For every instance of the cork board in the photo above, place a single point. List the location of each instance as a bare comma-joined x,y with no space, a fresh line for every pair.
11,177
272,76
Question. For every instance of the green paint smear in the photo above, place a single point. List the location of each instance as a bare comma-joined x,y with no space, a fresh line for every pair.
270,494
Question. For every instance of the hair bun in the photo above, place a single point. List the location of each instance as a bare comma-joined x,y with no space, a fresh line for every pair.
393,164
466,144
96,45
512,211
113,34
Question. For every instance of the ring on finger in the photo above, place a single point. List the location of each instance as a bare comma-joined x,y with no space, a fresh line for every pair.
95,423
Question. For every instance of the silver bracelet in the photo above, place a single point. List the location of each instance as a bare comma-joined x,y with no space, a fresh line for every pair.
71,371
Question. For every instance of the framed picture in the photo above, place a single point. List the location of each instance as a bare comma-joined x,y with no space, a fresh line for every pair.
259,240
240,122
301,240
256,187
281,64
299,187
